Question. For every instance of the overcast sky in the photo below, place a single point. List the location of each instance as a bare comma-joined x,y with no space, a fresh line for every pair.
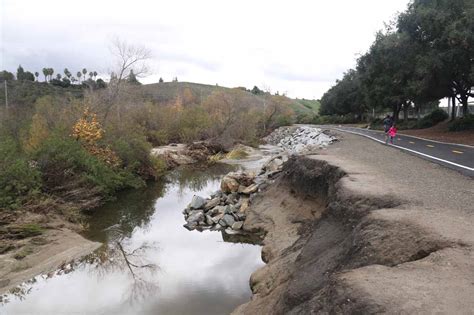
298,47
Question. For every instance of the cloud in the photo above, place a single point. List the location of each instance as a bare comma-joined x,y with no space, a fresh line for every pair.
299,47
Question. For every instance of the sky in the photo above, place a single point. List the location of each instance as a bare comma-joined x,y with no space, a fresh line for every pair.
294,47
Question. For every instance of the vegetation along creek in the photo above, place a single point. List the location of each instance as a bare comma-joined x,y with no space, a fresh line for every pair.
149,262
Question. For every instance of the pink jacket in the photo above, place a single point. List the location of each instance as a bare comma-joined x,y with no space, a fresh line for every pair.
392,132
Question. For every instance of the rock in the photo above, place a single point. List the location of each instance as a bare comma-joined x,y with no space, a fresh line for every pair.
190,226
209,220
242,216
217,218
197,202
237,225
212,203
228,219
217,210
244,206
195,216
229,184
217,227
250,189
229,209
230,231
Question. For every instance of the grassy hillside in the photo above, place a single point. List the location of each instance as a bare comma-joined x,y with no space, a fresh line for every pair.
168,91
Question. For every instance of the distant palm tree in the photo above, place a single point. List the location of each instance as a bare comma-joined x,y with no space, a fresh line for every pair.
58,76
95,75
51,72
46,73
91,74
84,72
79,74
67,73
37,75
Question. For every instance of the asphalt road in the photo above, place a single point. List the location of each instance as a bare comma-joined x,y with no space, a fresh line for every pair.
455,156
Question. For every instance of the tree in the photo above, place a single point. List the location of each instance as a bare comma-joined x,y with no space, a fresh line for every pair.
58,76
84,72
132,79
20,73
95,75
45,73
28,76
5,75
37,75
128,58
91,74
444,29
79,74
256,91
67,73
161,80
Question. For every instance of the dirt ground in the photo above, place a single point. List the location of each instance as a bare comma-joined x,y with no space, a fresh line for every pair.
440,132
364,228
37,246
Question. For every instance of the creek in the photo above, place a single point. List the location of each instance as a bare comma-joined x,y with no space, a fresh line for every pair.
149,263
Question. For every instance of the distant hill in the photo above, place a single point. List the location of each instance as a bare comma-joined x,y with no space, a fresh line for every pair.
168,91
26,93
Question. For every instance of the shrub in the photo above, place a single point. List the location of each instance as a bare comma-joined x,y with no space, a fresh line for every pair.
62,160
436,116
18,180
464,123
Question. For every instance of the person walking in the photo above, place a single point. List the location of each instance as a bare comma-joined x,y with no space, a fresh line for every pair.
392,133
387,123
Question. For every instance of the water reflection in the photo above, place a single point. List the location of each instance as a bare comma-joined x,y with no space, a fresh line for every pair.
150,263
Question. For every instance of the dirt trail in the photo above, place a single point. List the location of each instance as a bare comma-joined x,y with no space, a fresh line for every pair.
364,228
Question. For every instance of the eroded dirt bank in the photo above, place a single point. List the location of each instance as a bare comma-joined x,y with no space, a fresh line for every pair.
346,232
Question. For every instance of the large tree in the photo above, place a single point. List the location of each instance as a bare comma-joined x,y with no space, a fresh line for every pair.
444,30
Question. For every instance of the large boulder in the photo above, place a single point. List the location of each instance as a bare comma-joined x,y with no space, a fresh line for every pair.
229,184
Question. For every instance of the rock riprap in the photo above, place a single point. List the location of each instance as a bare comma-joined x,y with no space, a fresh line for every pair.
297,140
226,209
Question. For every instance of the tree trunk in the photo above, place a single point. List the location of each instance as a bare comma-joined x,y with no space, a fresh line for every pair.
453,108
396,112
405,112
465,108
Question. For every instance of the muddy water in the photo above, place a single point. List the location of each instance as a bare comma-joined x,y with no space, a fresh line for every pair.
149,264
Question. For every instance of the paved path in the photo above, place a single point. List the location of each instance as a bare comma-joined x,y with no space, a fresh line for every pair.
456,156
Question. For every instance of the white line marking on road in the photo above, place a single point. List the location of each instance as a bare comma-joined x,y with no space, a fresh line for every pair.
411,142
413,151
426,139
456,151
430,145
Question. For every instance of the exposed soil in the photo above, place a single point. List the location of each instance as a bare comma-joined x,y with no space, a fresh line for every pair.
37,248
441,133
348,232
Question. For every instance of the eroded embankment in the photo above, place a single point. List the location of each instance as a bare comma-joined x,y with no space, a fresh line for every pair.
320,232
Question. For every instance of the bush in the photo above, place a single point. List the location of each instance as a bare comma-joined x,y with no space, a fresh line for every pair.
436,116
134,151
18,180
461,124
64,160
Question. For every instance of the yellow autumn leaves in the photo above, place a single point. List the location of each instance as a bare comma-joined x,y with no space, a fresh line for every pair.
89,132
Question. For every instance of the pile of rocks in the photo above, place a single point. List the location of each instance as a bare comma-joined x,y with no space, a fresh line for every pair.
226,209
300,140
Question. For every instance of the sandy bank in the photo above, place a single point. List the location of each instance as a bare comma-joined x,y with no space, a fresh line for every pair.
58,246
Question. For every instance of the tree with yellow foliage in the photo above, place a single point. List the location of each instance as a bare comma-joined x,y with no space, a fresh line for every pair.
88,131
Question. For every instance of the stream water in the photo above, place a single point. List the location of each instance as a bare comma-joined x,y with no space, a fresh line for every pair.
149,264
